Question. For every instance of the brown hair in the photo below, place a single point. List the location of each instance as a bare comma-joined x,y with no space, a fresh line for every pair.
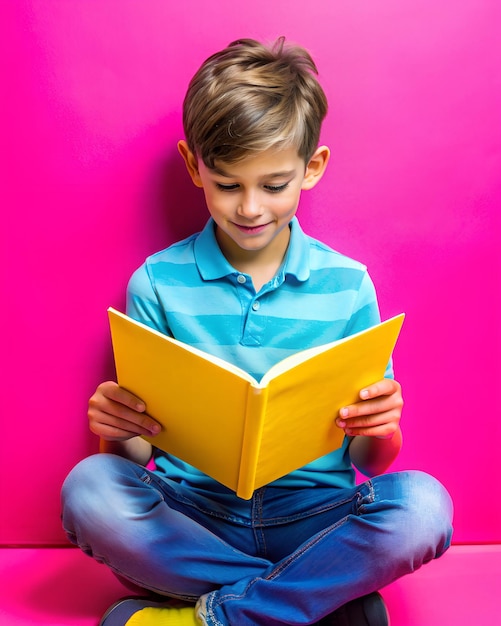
249,98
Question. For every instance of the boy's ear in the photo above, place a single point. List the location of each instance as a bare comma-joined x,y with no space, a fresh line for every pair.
190,161
316,167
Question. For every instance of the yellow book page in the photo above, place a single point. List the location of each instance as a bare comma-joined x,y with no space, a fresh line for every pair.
200,405
304,402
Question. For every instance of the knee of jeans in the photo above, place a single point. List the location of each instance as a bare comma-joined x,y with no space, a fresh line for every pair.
428,511
86,493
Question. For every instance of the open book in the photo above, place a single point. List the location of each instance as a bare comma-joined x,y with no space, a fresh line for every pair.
241,432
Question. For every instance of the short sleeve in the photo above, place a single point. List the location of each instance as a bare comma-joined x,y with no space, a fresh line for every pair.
142,301
366,313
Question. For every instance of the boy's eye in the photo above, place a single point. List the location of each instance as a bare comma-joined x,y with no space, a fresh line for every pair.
235,186
276,188
222,187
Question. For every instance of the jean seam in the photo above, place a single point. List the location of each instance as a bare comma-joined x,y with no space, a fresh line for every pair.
257,521
357,500
304,548
163,486
363,501
216,602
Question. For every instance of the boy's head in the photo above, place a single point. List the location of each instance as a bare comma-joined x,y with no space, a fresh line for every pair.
249,98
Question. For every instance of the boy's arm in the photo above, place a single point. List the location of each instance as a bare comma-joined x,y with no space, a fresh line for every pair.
373,456
374,425
118,417
135,449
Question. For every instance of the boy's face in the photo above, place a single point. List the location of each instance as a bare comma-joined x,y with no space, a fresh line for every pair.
253,201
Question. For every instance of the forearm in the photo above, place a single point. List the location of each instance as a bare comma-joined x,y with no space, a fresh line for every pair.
373,456
136,449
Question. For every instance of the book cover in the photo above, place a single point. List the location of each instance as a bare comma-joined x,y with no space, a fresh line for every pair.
241,432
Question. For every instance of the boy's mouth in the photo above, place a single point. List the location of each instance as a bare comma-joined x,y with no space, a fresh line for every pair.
251,230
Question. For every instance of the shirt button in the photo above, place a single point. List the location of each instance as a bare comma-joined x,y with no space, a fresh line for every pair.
256,306
241,279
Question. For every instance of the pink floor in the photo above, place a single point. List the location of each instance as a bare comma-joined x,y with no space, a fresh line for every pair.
63,587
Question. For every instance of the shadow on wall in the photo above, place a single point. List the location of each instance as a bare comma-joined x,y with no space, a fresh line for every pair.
177,208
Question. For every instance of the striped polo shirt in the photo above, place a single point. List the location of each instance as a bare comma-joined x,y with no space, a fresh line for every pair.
189,291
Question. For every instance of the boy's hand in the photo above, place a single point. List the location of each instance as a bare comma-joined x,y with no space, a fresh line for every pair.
377,414
117,415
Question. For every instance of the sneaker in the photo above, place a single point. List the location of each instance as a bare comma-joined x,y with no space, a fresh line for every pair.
201,609
136,611
368,610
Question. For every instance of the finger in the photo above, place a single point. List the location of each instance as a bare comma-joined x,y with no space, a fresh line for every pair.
106,411
118,394
385,387
119,429
379,432
110,432
358,424
369,421
138,423
384,429
390,398
369,408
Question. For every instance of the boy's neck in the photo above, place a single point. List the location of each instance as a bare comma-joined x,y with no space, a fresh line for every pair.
262,264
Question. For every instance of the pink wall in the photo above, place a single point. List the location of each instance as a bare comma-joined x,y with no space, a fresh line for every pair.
93,184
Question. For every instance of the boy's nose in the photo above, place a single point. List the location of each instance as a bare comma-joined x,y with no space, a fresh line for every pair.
250,206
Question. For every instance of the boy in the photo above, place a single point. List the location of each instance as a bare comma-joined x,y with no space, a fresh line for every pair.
252,288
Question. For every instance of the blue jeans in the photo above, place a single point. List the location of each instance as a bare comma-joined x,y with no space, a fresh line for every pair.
294,557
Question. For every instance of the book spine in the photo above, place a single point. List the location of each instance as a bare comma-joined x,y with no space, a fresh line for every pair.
251,441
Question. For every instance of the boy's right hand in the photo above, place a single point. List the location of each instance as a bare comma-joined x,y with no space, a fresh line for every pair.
117,415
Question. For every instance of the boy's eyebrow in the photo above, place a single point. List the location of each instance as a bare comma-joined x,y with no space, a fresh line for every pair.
284,174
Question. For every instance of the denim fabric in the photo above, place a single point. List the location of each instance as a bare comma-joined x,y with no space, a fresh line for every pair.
289,557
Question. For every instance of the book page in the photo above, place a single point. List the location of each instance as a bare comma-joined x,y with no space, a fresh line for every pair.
300,357
234,369
303,402
200,405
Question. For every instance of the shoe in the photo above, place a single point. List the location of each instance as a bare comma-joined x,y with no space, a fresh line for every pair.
368,610
201,609
137,611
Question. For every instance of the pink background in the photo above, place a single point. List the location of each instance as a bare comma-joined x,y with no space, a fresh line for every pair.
92,184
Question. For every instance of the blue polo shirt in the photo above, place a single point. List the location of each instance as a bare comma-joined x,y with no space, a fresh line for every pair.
189,291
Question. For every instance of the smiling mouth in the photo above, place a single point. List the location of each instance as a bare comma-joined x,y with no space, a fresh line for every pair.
251,229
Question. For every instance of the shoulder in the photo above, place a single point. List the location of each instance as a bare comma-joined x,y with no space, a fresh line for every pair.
321,269
333,271
176,252
322,254
180,252
178,257
319,253
323,257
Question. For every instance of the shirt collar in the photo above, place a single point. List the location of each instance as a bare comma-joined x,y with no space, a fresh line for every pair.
297,259
212,263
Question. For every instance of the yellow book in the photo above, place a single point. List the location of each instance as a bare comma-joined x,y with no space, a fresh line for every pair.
241,432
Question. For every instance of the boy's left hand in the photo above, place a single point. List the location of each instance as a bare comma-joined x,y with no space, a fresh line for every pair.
378,412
